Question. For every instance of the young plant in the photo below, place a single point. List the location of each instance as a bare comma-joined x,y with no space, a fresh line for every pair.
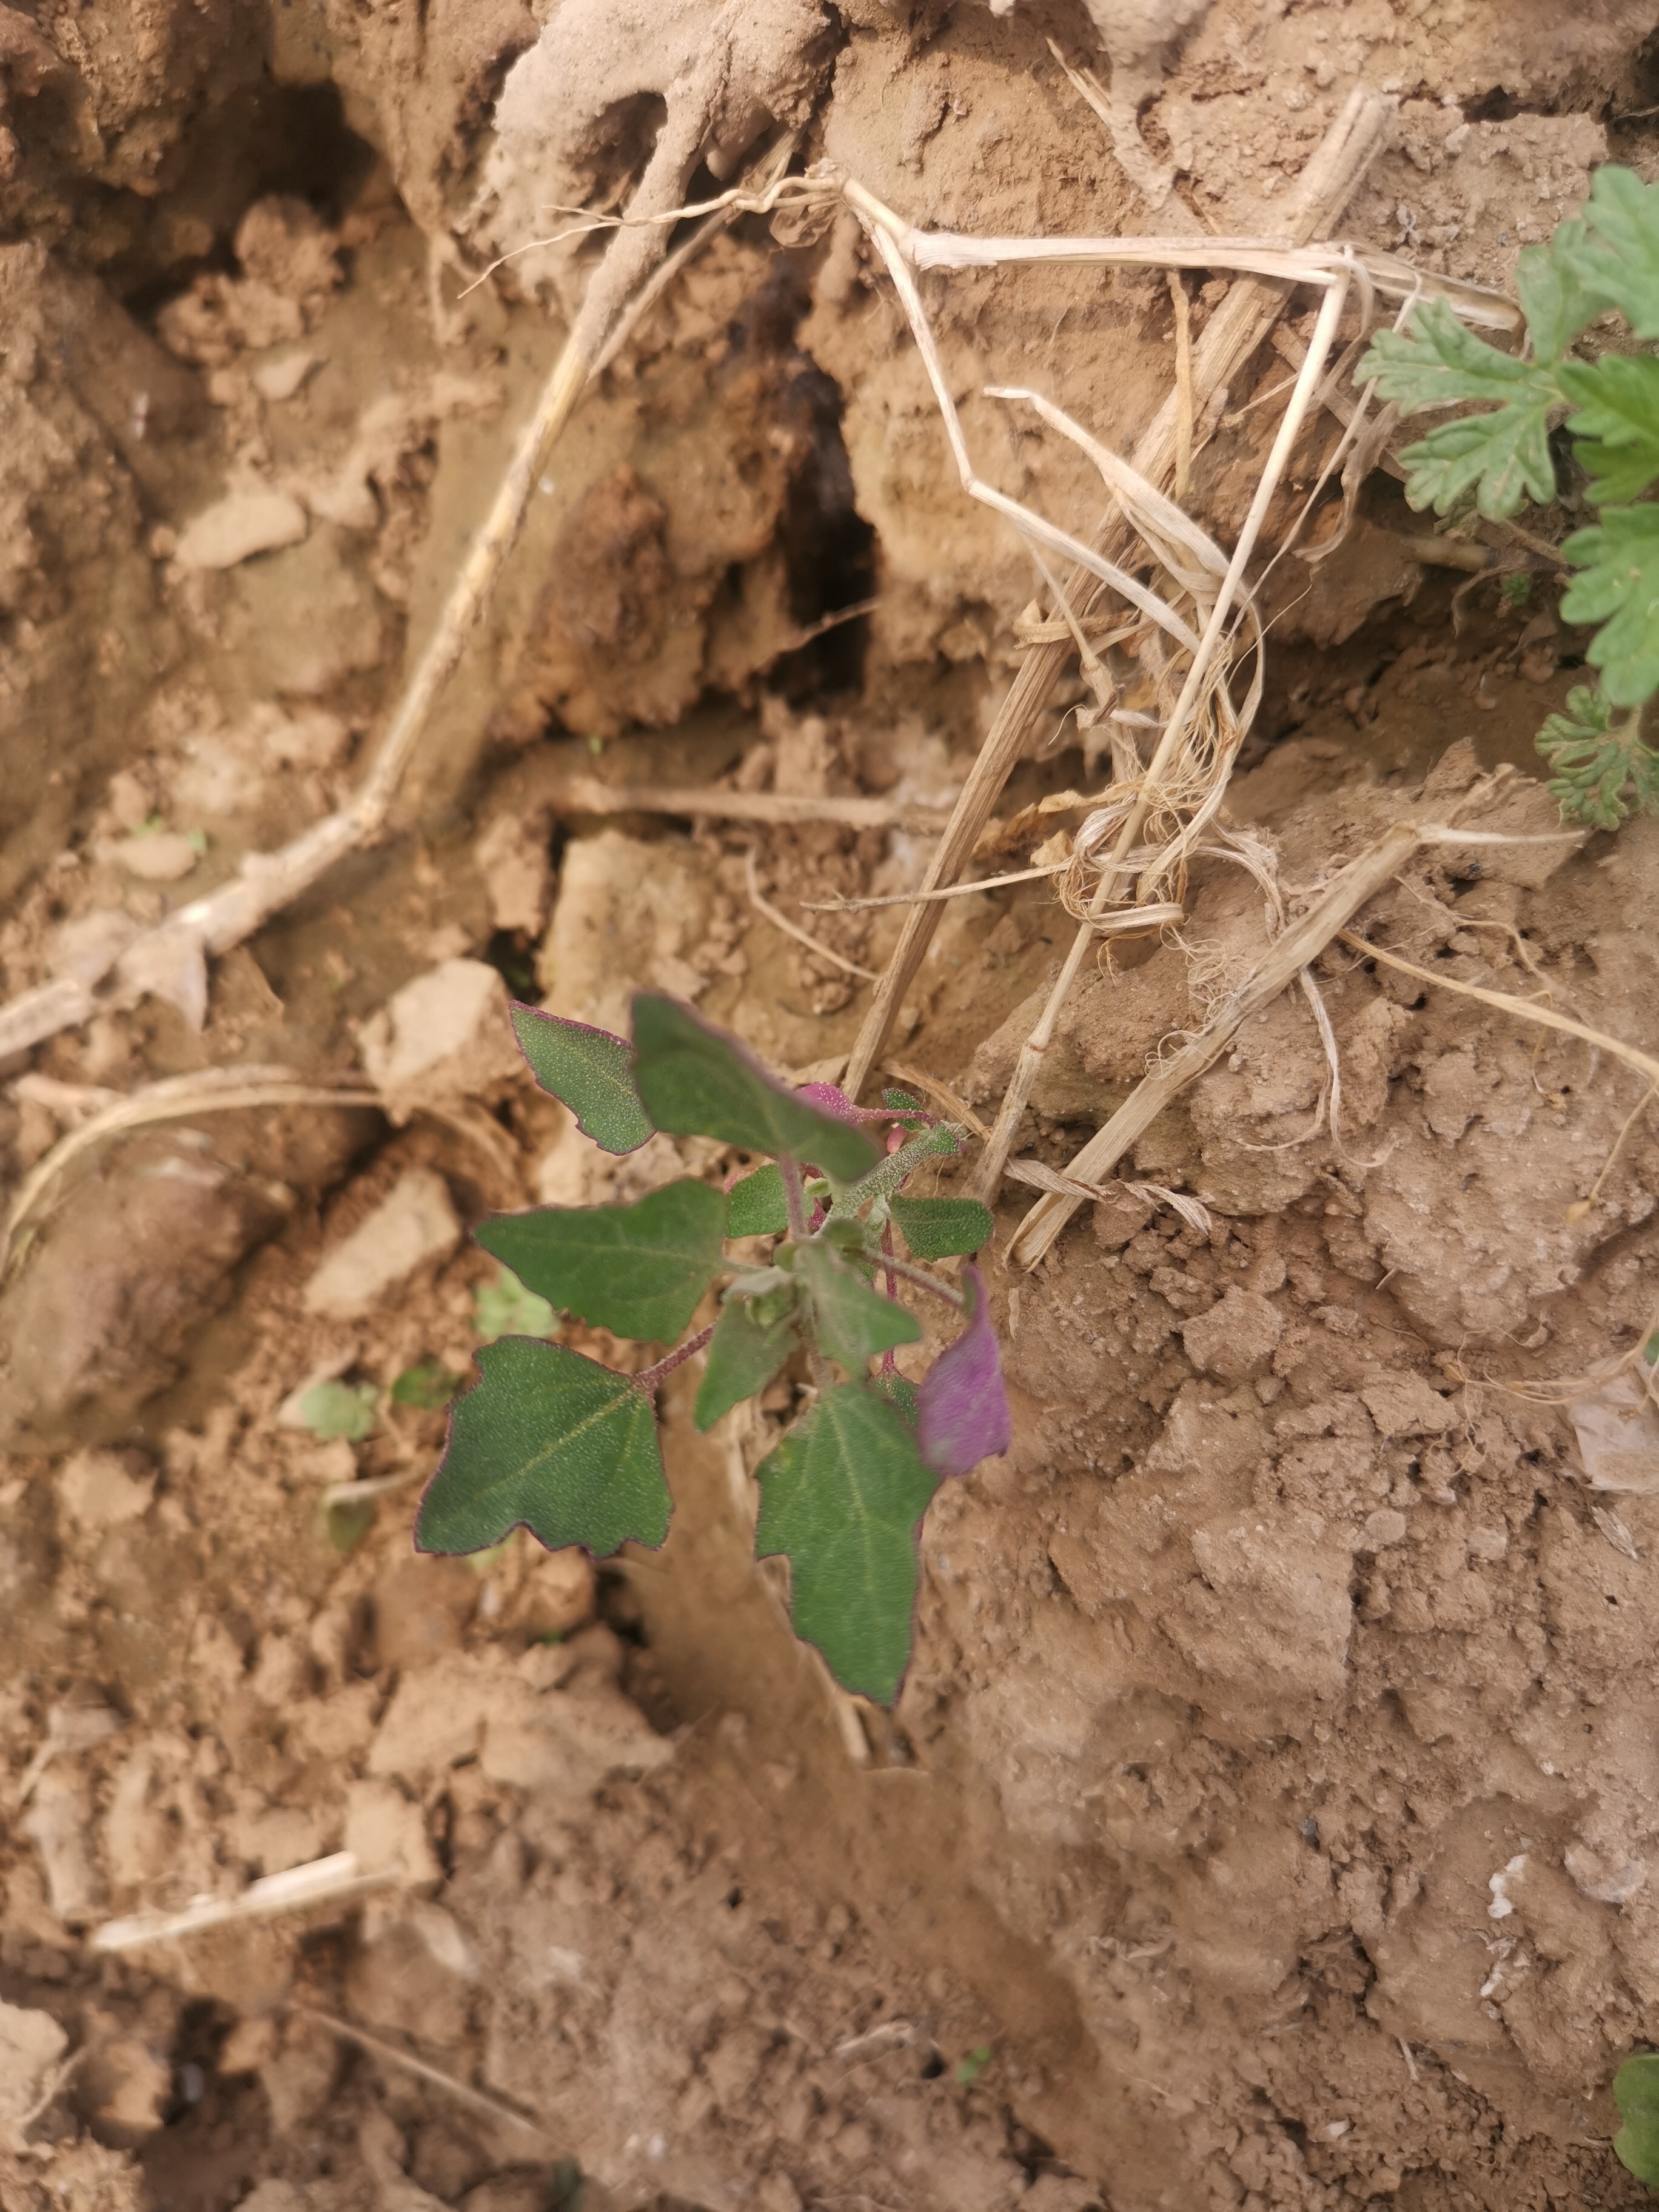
553,1442
1607,257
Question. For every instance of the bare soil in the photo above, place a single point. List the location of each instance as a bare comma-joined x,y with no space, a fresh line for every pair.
1270,1819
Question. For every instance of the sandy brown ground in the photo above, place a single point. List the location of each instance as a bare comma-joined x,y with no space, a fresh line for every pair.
1287,1646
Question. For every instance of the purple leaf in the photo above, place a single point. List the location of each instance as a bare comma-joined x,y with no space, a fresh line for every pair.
962,1413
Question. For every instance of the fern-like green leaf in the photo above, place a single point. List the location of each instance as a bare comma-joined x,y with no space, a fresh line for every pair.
1619,589
1502,455
1617,425
1620,256
1595,765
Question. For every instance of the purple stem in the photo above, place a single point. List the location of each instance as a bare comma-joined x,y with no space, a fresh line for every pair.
648,1378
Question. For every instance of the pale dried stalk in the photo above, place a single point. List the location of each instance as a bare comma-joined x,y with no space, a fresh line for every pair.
765,907
1302,942
1526,1010
591,794
1232,334
171,958
329,1881
389,2055
1031,1058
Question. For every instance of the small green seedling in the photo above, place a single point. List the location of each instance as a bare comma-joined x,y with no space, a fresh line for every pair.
341,1409
1635,2092
1605,259
505,1308
554,1441
973,2063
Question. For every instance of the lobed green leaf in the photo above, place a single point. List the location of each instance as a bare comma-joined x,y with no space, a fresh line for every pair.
1594,764
943,1228
1617,425
636,1270
1619,588
696,1081
756,1205
1620,255
842,1497
1500,455
744,1353
852,1321
588,1070
550,1441
1635,2092
1558,294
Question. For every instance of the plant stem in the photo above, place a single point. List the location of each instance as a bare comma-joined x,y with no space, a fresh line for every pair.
648,1378
794,1198
892,1265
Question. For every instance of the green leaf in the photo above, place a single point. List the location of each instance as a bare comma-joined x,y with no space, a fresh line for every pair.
1621,256
972,2064
900,1392
430,1384
636,1270
942,1141
346,1522
1502,455
590,1072
340,1409
1617,425
1595,765
697,1082
1619,589
745,1353
505,1308
755,1206
1557,295
842,1496
553,1442
902,1102
853,1322
1635,2092
937,1228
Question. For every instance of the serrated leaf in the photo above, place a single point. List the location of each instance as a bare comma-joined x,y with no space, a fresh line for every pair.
756,1205
636,1270
340,1409
1617,424
852,1321
505,1308
588,1070
696,1081
1594,764
1620,256
550,1441
940,1228
1635,2092
1502,454
1557,295
744,1354
429,1384
961,1413
1619,588
842,1497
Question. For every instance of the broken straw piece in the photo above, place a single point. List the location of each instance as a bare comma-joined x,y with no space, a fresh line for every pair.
319,1881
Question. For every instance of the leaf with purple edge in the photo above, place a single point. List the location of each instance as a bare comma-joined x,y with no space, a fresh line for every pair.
695,1080
831,1098
588,1070
842,1496
962,1413
551,1442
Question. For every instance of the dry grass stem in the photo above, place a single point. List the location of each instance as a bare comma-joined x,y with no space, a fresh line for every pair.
764,906
1300,944
951,890
1184,345
1235,330
1181,718
591,794
941,1092
389,2055
319,1881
